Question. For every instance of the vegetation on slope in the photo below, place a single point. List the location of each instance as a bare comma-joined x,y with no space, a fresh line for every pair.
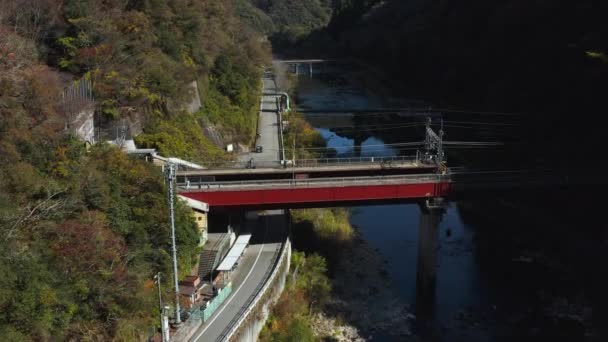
308,287
82,234
179,136
83,231
286,21
328,224
309,144
306,291
142,57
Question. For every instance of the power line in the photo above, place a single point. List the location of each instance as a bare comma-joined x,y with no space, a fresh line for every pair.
357,126
479,128
473,143
481,123
417,143
397,111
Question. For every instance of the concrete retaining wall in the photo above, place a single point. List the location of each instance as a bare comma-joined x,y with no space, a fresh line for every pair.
251,323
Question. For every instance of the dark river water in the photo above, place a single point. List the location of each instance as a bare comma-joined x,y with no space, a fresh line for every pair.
473,301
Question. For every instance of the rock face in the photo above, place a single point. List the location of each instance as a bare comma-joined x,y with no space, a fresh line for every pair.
83,124
195,104
190,106
363,302
327,326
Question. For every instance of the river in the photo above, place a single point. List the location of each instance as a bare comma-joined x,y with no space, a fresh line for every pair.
485,290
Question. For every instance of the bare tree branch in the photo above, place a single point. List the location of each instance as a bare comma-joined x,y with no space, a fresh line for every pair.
39,211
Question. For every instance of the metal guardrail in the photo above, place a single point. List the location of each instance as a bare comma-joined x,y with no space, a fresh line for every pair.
382,161
281,143
319,162
257,294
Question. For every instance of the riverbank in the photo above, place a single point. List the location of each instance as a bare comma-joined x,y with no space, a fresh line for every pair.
363,302
363,295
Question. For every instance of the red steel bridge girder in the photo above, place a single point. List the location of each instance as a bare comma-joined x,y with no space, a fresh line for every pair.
320,195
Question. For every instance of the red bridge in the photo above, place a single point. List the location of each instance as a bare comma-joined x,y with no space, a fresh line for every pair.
312,186
323,181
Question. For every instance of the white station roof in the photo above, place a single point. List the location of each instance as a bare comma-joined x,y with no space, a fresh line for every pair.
194,204
235,253
179,162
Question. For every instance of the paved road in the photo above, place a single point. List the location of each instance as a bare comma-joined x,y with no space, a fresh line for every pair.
267,128
257,260
268,235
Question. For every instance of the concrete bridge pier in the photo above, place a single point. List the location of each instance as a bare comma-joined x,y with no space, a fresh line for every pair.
297,68
426,273
358,140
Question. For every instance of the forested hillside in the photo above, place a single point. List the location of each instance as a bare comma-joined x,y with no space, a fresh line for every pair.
286,21
510,55
546,61
82,231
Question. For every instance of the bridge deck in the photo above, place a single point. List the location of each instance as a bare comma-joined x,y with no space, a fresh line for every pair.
320,168
330,182
317,190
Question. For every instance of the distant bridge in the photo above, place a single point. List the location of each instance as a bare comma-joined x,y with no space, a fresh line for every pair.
414,112
303,61
297,62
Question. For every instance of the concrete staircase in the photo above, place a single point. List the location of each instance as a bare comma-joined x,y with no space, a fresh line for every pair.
211,257
205,265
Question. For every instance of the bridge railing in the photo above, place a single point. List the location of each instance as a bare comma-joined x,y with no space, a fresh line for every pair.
193,183
386,161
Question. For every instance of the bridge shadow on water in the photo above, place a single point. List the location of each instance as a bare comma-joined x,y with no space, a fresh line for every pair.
502,265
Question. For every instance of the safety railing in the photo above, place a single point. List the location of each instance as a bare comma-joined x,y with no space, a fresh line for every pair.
280,258
386,161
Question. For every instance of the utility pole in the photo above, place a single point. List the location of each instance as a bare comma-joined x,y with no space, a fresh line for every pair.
293,160
170,174
440,155
160,307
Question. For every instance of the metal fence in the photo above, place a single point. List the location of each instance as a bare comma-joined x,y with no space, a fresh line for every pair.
304,163
77,96
198,316
387,161
216,302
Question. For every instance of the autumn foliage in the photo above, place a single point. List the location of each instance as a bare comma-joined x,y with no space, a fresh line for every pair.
83,230
306,291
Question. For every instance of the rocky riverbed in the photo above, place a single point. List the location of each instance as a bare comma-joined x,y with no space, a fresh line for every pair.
363,301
